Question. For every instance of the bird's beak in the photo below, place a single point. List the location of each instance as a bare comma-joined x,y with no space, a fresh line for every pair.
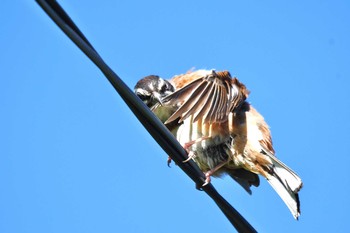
156,96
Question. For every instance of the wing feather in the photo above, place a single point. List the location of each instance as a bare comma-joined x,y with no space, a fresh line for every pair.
197,104
206,105
210,97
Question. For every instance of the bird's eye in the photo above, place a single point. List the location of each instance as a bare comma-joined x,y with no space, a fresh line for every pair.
167,87
163,89
143,97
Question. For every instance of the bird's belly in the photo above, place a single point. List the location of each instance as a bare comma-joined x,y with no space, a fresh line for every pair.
210,143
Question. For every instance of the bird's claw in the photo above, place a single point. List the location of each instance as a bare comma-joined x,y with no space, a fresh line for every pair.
207,178
191,155
169,161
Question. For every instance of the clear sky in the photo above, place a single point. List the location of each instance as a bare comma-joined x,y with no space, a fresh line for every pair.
73,158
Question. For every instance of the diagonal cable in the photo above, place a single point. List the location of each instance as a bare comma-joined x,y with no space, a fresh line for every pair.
153,125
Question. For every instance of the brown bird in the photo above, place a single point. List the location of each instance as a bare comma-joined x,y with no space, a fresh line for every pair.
208,113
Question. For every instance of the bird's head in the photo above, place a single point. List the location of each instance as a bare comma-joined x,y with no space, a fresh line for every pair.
152,89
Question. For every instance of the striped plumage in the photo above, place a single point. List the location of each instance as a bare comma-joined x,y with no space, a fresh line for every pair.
208,113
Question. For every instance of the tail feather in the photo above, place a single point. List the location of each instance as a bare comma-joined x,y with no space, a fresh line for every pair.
287,184
290,198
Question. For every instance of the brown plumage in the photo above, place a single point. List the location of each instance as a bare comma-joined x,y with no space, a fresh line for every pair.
224,134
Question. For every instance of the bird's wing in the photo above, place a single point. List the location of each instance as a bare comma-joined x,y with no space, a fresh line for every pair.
210,97
245,178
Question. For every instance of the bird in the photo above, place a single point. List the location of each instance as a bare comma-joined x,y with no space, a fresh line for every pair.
208,113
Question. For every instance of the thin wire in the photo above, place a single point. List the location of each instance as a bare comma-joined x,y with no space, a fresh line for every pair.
153,125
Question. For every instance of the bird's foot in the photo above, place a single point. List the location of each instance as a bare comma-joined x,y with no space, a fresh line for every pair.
191,155
208,174
207,177
169,161
191,143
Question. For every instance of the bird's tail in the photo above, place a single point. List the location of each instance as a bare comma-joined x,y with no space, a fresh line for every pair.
287,184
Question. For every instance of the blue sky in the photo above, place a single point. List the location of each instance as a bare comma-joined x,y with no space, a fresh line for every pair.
75,159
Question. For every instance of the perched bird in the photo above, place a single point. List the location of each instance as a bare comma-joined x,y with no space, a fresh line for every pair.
208,113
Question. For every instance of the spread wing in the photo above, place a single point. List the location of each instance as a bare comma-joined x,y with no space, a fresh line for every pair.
210,98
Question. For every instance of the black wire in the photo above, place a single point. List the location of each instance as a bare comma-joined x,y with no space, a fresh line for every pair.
153,125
